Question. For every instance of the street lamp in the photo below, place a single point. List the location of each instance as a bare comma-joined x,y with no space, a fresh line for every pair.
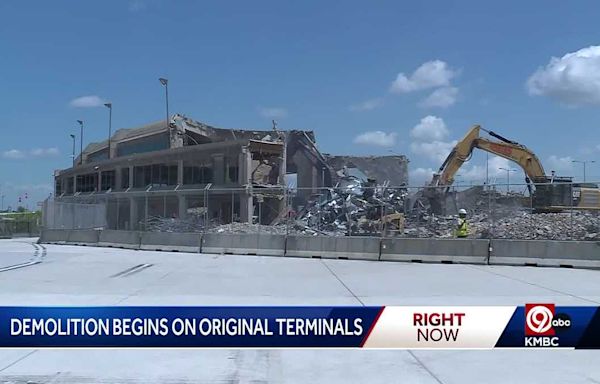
508,171
165,82
584,162
73,155
81,142
109,106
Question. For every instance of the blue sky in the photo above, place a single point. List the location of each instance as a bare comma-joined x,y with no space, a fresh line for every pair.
345,69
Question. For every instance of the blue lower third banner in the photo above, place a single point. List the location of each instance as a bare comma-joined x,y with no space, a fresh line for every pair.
400,327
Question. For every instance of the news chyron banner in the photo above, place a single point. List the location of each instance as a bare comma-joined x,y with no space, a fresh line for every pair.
397,327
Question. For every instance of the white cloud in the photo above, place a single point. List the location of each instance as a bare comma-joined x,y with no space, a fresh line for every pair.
477,172
561,165
376,138
36,152
13,154
87,102
273,112
367,105
436,150
431,74
441,97
573,79
430,139
430,128
420,176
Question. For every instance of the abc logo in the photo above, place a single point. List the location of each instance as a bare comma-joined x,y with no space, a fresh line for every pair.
561,321
541,321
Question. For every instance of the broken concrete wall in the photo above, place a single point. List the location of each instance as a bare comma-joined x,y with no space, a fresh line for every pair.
381,168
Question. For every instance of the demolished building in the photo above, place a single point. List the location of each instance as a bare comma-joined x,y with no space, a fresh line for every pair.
187,168
194,174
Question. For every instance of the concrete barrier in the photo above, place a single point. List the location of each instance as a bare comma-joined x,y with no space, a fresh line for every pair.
83,237
54,236
546,253
355,248
119,239
166,241
244,244
435,250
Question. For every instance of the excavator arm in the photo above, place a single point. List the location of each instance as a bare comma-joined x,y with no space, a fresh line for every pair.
505,148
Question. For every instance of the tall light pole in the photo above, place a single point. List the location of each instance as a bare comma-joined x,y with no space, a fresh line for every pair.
508,171
109,106
73,154
584,162
81,142
165,82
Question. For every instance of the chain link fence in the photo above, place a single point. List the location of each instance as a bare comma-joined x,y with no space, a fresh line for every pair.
351,208
26,224
69,215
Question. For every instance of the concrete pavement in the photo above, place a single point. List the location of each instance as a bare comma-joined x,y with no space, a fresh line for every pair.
73,275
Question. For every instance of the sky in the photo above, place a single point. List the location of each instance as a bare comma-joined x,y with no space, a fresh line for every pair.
377,77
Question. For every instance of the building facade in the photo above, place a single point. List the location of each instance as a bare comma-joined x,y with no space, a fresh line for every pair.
180,170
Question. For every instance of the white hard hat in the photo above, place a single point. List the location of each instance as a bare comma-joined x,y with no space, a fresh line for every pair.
462,211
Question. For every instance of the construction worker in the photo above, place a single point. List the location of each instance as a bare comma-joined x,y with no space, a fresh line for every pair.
462,229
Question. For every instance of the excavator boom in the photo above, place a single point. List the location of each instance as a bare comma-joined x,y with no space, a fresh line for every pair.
505,148
551,193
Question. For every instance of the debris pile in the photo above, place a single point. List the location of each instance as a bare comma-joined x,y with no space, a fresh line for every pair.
192,223
516,224
361,208
235,228
352,208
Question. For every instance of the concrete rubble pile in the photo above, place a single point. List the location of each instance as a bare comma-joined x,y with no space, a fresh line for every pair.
518,224
352,208
193,223
247,228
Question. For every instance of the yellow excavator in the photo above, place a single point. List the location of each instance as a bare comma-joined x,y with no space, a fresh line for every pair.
550,193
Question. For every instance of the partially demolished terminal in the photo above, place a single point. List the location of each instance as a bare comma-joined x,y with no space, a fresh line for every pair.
187,171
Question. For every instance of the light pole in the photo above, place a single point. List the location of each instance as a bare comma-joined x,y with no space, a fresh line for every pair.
457,177
165,82
81,142
73,154
109,106
508,171
584,162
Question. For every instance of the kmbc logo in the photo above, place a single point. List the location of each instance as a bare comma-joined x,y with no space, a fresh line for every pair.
541,325
538,319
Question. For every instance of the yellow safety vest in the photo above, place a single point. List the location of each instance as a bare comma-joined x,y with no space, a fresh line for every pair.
462,230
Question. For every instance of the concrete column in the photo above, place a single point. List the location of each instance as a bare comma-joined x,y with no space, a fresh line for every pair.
180,172
218,161
133,214
182,206
246,208
118,179
243,176
283,164
131,176
99,186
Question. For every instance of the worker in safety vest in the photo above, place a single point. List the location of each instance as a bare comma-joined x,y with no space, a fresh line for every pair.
462,229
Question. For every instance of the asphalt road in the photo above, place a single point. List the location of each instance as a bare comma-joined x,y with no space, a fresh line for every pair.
72,275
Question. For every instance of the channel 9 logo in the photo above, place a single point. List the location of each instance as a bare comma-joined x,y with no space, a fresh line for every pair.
541,325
